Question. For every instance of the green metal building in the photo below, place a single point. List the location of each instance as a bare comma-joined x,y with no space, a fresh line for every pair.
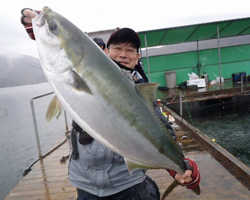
221,48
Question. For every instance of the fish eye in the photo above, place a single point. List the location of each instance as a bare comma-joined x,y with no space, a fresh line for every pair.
52,26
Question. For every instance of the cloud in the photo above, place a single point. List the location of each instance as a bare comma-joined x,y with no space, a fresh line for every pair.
14,39
102,15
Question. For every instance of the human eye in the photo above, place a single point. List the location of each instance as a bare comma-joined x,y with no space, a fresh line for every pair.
117,48
130,50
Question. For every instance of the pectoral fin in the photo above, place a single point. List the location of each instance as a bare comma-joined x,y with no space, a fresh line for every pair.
54,109
76,83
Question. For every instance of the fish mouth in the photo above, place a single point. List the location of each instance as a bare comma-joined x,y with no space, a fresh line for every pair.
45,8
40,18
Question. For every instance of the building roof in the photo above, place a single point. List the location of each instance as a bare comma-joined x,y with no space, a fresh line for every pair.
197,32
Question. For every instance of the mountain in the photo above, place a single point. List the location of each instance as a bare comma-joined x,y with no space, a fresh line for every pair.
18,70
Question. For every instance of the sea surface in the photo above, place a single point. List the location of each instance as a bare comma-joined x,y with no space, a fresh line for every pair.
18,144
230,129
18,141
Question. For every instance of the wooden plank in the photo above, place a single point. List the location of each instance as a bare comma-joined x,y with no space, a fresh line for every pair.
216,181
49,179
231,163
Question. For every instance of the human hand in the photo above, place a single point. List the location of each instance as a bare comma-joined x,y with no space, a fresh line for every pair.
185,178
26,20
191,177
28,14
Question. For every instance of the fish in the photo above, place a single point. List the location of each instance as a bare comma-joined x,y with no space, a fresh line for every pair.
100,98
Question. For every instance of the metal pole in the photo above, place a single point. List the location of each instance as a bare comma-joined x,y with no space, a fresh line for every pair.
181,105
241,84
35,127
218,35
34,122
145,39
66,121
198,58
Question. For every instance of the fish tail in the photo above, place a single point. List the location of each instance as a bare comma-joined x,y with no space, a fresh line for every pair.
173,185
170,188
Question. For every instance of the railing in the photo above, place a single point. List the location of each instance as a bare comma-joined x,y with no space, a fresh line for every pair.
35,122
181,96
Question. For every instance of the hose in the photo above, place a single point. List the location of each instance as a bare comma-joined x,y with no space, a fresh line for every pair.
44,156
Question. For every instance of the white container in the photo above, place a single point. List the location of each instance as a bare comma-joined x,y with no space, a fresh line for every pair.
218,79
170,77
199,82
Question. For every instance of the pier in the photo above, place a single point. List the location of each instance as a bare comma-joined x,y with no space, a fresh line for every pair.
222,175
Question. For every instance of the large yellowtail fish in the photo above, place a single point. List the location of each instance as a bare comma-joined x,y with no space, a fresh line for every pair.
101,98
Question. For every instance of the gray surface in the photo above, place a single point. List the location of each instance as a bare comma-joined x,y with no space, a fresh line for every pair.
18,143
17,70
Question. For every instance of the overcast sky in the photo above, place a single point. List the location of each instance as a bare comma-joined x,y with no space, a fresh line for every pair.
95,15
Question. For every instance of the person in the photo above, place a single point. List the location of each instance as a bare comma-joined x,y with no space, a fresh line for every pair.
96,171
99,42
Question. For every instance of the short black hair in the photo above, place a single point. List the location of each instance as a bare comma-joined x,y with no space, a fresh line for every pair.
125,35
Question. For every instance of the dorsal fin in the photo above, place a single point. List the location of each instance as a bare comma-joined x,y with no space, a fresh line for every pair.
148,92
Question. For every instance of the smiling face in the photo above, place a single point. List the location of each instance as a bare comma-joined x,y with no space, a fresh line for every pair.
124,53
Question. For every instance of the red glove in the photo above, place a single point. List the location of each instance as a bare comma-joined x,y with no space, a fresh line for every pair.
190,165
28,26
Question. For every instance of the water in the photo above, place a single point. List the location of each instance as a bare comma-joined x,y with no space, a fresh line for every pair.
18,142
231,130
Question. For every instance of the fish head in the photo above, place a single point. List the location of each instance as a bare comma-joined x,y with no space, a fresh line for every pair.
57,43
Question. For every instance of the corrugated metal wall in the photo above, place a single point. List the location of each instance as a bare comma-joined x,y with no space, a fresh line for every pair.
102,34
184,58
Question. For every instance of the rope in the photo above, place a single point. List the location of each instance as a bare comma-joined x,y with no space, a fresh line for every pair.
189,115
52,150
